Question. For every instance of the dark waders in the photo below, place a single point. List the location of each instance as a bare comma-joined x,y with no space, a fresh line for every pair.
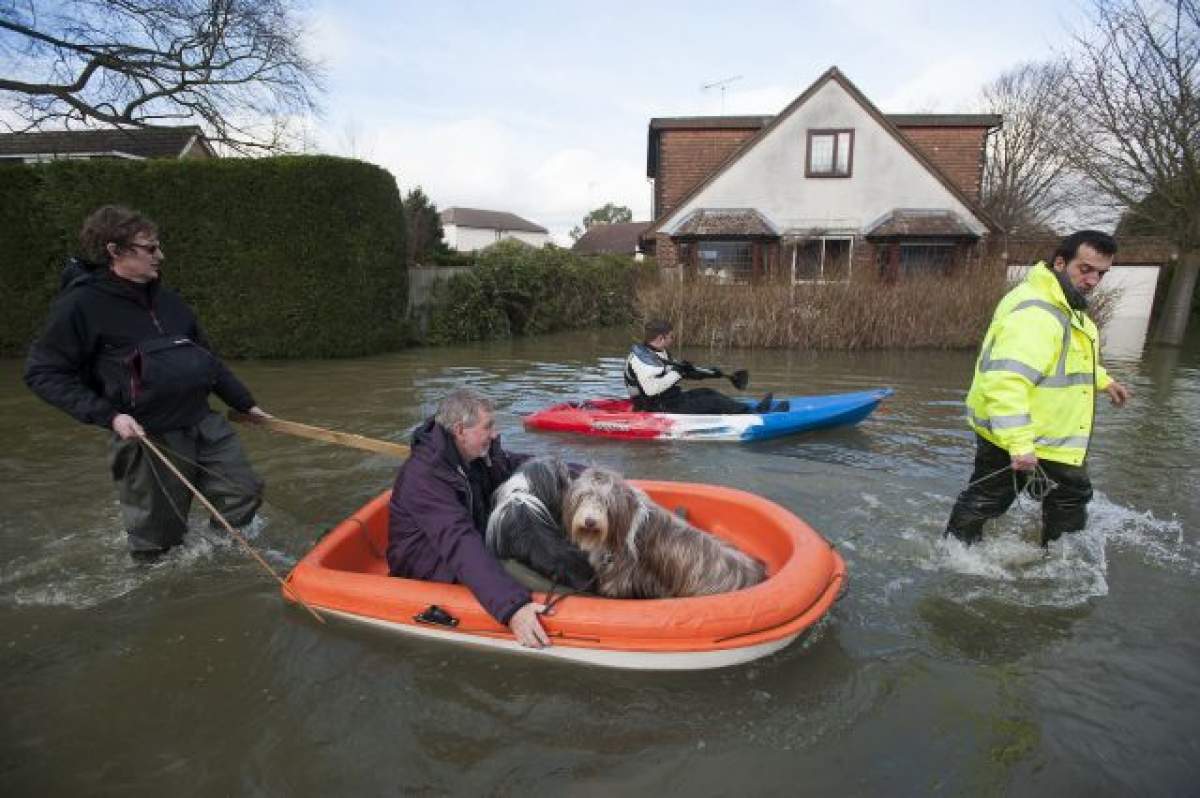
990,494
155,503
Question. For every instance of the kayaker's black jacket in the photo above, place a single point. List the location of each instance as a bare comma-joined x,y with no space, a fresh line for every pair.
113,346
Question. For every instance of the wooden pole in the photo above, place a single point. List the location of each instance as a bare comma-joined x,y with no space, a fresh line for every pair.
298,430
229,528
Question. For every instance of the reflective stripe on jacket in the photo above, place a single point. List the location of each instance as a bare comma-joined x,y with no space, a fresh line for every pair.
1037,374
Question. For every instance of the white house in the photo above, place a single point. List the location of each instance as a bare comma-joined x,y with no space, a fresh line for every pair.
828,186
469,229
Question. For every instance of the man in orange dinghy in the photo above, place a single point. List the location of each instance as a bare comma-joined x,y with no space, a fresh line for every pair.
439,509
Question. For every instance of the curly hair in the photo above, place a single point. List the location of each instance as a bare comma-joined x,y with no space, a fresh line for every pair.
112,224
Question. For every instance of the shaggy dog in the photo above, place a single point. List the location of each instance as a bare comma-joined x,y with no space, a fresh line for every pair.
524,524
640,550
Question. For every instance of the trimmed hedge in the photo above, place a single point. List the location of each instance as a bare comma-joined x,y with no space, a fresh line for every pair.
515,289
299,256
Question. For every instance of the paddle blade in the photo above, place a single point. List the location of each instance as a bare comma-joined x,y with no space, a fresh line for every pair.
740,379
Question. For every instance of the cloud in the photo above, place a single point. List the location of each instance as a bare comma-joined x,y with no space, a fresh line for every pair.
947,86
482,162
571,182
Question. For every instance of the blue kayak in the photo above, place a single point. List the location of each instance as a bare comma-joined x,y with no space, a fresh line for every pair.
615,418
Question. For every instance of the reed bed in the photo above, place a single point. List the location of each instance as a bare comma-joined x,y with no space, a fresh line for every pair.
918,312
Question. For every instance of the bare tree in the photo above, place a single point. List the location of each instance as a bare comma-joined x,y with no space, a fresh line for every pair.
1131,126
1025,173
236,67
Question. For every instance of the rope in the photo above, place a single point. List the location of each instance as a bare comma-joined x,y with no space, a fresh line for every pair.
1037,487
210,471
552,600
228,527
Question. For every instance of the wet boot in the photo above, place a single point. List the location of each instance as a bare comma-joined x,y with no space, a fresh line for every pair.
146,556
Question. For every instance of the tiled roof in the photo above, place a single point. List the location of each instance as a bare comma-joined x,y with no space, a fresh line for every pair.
909,222
158,142
490,220
725,221
621,238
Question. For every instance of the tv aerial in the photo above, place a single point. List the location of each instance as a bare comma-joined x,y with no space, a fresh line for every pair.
721,84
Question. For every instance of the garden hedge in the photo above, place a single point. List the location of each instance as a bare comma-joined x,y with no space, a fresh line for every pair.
299,256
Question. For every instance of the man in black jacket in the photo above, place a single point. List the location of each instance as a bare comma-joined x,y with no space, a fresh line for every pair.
122,352
652,379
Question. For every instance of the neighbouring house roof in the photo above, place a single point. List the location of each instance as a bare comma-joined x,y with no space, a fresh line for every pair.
134,143
621,238
834,74
759,121
490,220
916,222
725,221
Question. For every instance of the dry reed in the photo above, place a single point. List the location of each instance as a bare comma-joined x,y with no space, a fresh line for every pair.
917,312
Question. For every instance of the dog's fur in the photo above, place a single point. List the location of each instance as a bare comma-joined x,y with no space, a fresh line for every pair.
640,550
525,523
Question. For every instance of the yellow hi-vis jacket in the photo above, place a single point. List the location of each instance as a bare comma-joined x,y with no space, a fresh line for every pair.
1038,373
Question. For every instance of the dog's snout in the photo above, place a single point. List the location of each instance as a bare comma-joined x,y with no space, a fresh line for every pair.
589,523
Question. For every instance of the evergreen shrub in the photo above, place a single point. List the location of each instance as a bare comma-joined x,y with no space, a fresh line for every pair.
514,289
297,256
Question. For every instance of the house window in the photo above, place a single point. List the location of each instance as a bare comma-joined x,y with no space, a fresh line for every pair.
725,261
830,153
822,259
926,258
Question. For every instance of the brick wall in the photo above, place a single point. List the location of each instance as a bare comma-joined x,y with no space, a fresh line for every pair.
957,151
664,251
686,157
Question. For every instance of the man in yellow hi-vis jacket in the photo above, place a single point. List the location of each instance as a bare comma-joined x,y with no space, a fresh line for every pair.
1033,399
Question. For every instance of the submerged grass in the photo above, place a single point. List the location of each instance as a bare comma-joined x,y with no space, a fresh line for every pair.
918,312
863,313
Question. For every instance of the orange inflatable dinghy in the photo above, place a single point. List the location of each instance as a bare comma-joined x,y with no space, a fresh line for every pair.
345,575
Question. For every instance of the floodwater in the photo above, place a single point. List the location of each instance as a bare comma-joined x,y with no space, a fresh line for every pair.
994,671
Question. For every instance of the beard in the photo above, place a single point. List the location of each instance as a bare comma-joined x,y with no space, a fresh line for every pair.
1075,298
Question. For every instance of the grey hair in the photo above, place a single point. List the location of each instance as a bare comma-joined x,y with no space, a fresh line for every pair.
462,406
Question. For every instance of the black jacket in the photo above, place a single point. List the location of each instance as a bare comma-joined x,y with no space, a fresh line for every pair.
112,346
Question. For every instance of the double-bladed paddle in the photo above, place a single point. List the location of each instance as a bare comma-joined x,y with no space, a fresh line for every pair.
740,378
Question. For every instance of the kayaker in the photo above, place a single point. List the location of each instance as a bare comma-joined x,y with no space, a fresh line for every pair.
1032,401
123,352
439,509
652,378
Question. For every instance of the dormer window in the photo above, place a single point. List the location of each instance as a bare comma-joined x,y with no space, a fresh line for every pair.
830,153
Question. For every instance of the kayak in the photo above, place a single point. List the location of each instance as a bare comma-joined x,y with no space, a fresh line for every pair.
615,418
346,576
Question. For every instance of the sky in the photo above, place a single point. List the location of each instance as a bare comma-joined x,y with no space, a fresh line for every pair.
542,108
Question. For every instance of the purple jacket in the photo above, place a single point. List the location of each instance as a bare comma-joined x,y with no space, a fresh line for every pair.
437,515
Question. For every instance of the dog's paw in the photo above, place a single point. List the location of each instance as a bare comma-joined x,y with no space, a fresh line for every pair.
578,573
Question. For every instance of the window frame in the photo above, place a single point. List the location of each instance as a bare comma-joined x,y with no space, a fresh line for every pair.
835,133
950,248
735,275
821,279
